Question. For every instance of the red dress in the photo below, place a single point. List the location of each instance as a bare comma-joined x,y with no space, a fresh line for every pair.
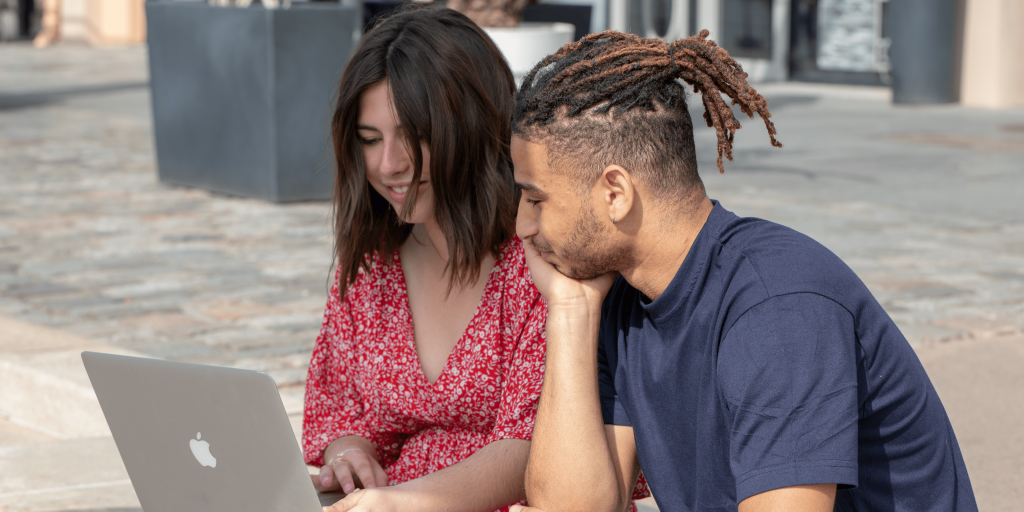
365,377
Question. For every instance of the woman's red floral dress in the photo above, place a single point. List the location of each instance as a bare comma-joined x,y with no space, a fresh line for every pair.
365,377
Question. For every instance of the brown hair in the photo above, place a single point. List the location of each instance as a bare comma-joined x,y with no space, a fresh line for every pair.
452,89
628,107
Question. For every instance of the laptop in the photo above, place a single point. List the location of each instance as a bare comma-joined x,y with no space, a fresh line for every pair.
202,438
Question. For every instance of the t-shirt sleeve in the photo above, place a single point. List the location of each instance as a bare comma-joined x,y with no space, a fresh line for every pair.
334,406
787,369
607,359
611,408
520,392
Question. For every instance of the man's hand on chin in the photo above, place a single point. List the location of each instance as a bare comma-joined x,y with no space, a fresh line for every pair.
560,289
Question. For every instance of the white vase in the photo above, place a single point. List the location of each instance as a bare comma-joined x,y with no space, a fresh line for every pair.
527,44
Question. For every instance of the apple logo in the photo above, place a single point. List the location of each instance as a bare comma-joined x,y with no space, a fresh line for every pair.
201,451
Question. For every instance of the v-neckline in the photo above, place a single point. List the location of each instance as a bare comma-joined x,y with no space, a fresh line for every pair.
411,345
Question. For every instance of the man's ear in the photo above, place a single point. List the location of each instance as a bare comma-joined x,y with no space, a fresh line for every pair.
615,192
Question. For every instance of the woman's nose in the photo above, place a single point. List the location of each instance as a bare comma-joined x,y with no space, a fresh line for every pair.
396,159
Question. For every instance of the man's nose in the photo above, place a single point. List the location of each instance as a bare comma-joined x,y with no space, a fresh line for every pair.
396,159
526,220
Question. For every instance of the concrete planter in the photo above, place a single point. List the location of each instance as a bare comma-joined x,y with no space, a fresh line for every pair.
527,44
242,96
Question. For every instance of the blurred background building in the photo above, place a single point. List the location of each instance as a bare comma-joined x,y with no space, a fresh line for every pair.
102,22
834,41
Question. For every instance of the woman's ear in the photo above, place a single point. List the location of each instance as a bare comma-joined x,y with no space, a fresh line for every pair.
616,193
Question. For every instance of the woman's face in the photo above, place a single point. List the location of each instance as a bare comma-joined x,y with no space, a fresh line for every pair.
389,162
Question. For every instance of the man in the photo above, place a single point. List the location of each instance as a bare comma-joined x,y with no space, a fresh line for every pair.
739,363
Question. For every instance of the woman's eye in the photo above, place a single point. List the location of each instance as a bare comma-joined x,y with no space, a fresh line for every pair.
367,142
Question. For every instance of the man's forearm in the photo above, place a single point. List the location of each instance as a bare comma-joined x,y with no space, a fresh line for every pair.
571,467
489,479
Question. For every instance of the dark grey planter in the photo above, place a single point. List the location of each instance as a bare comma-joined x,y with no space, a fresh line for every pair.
242,96
924,50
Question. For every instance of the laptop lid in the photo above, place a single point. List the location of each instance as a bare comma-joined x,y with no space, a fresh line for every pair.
201,438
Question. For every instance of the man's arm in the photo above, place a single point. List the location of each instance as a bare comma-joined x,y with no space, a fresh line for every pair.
576,461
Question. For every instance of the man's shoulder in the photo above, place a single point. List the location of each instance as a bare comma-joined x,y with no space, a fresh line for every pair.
771,247
781,260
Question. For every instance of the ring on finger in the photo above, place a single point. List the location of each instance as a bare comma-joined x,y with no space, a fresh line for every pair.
338,457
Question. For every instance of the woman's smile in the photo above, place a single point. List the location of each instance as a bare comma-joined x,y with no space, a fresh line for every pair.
398,192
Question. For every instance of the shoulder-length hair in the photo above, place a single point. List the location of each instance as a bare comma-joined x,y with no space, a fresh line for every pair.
453,90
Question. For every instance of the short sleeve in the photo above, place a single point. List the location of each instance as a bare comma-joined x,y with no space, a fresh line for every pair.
787,369
333,405
520,391
612,410
607,365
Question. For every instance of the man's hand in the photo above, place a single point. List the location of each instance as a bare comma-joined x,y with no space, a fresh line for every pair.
559,289
348,466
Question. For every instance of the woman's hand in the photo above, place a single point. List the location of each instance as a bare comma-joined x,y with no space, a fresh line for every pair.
561,290
351,464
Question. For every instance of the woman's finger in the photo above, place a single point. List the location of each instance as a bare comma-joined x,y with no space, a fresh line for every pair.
381,475
343,472
362,467
316,483
326,477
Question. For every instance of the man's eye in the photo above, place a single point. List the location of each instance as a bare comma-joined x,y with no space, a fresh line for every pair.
532,201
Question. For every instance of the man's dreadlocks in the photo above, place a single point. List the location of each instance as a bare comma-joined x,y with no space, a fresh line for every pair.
626,101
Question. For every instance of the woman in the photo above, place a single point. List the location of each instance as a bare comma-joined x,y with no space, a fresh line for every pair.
427,370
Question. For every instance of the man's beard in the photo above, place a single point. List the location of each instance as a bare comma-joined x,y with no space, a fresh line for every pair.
587,252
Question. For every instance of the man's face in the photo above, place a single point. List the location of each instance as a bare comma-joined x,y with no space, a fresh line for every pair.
553,218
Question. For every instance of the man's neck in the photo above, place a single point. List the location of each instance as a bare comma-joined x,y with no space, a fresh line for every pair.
661,249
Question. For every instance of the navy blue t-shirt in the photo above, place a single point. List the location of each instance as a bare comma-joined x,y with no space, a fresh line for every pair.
767,363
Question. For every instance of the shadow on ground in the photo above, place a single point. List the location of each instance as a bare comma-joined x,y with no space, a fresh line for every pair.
14,101
123,509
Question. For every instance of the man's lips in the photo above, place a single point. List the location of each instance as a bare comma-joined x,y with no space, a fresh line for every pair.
541,246
544,249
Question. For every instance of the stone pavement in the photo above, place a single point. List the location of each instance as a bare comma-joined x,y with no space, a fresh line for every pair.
924,203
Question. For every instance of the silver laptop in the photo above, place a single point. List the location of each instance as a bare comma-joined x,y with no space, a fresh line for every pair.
202,438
